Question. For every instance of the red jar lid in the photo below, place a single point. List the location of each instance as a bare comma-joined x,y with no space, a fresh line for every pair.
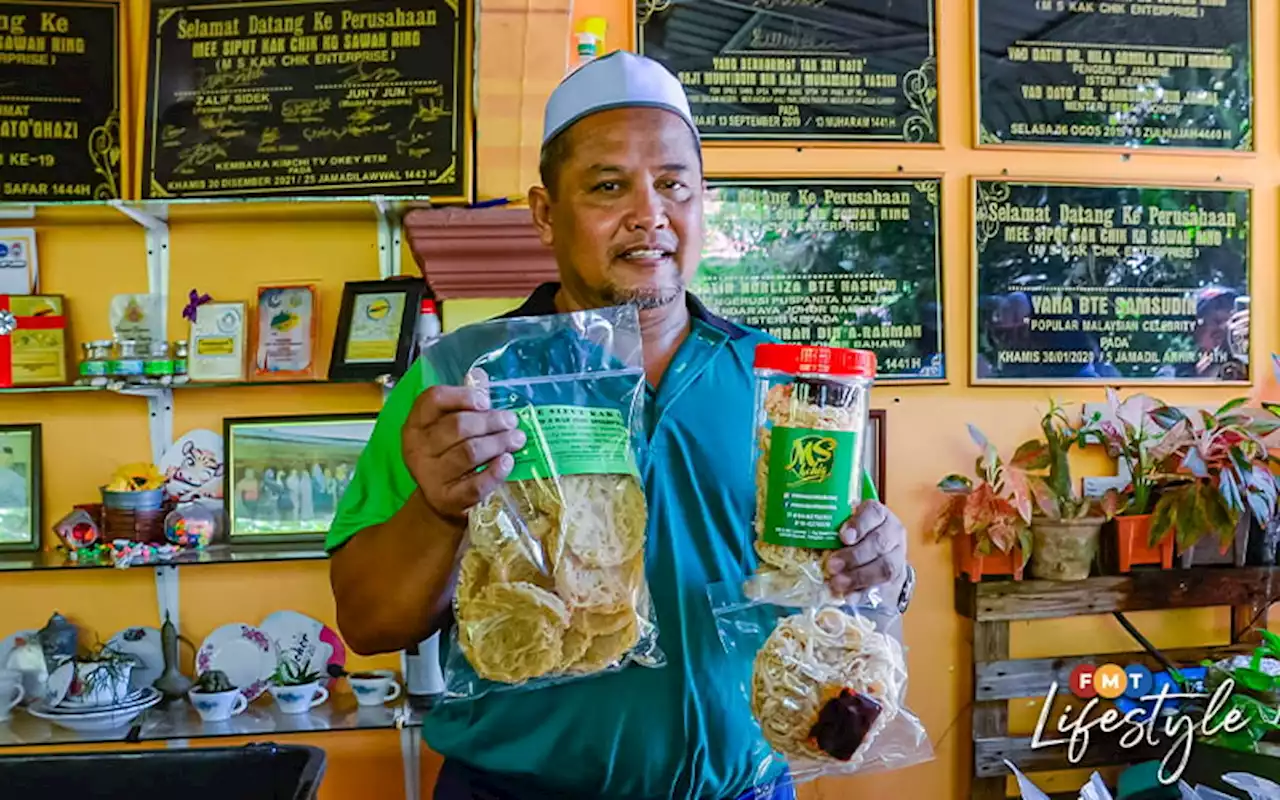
804,359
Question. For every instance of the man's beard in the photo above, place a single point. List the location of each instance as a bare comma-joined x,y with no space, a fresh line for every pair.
645,298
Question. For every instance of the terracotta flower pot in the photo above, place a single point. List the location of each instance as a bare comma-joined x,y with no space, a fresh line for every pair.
1132,532
1065,549
997,564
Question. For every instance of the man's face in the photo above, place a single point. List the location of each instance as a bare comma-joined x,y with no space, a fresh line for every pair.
625,214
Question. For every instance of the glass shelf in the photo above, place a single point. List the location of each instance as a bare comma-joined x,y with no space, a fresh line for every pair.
218,554
180,721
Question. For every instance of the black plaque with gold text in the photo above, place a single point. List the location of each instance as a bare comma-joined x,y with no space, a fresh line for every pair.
1110,284
844,263
309,98
59,101
800,69
1138,73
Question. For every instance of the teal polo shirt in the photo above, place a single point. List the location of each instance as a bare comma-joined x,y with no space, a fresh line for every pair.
682,731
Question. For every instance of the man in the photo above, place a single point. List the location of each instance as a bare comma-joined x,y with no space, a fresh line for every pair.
621,206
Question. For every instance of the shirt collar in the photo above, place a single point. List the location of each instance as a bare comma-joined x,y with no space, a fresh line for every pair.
543,302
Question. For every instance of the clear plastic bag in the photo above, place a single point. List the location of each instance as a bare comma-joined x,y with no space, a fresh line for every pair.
551,585
826,684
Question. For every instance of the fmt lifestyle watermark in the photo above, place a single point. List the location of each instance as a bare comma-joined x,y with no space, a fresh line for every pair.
1149,725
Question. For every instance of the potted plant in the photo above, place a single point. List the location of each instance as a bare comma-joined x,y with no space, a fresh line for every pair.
988,519
1139,445
101,677
215,698
1067,527
296,687
1253,698
1222,469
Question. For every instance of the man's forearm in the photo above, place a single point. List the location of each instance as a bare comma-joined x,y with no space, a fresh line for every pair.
393,582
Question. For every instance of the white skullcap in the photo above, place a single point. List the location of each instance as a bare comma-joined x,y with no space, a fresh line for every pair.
618,80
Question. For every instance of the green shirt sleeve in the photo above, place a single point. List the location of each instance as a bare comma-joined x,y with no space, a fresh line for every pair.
382,482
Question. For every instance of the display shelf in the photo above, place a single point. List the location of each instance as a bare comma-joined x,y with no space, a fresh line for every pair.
218,554
998,677
180,721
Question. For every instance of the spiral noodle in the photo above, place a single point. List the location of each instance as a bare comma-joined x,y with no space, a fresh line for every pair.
574,545
809,659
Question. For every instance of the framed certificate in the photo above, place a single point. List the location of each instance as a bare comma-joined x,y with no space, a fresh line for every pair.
217,343
375,328
285,326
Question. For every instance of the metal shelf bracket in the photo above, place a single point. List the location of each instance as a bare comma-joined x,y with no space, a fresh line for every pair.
390,213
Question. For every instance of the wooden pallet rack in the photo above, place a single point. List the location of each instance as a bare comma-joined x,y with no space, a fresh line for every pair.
997,679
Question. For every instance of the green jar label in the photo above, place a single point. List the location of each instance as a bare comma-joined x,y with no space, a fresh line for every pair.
93,368
572,440
810,486
158,367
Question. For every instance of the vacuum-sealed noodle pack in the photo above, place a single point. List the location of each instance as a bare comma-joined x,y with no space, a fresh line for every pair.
826,675
826,684
551,584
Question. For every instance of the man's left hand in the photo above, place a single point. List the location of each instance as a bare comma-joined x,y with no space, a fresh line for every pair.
875,555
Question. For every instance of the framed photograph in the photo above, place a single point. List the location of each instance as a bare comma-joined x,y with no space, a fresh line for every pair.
286,322
284,476
375,328
20,487
873,458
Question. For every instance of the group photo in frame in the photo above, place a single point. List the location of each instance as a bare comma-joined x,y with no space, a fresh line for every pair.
286,475
20,487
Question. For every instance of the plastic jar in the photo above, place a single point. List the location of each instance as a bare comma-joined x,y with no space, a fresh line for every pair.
159,367
180,361
94,366
128,365
811,423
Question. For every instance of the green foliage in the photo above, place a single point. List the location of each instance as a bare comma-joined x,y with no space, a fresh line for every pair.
1220,470
291,673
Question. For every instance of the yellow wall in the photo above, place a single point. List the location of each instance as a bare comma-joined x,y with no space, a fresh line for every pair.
91,256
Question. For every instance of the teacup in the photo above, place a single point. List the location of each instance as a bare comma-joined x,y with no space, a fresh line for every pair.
374,687
299,699
217,706
11,691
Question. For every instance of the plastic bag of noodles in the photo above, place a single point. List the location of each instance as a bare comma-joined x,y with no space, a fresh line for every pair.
827,684
551,584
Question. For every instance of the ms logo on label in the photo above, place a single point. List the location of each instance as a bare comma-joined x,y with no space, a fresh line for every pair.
811,459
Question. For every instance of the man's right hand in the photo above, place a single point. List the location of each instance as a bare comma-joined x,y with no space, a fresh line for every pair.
450,432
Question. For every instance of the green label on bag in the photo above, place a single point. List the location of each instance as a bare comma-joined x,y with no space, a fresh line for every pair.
808,496
572,440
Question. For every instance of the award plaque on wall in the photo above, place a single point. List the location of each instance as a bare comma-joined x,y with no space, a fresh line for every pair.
375,328
1131,74
60,79
1079,283
843,263
854,70
309,98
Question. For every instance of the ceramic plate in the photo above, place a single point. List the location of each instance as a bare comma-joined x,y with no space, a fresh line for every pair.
96,721
144,643
245,653
137,698
306,640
